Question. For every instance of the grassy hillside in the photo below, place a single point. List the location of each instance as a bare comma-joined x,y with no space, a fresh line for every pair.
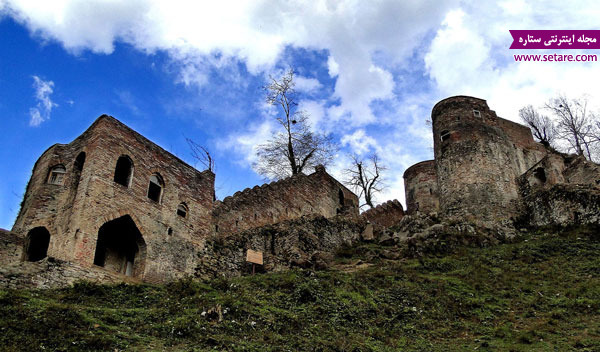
542,293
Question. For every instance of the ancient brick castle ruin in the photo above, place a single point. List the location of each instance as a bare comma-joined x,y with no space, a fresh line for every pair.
112,200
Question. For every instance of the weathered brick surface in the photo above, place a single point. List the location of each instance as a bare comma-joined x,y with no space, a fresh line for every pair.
152,242
563,205
74,212
308,241
384,215
421,188
290,198
478,164
52,273
11,248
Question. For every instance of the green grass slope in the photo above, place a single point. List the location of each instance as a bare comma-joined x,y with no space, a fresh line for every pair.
540,294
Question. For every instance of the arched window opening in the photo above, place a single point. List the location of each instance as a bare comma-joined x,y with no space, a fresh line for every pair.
57,175
182,210
123,171
120,247
155,187
37,243
445,135
341,197
79,161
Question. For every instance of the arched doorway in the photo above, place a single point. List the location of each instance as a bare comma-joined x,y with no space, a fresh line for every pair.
120,247
36,244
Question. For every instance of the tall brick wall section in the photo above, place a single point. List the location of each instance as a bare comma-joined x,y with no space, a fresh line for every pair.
421,188
74,212
384,215
287,199
477,164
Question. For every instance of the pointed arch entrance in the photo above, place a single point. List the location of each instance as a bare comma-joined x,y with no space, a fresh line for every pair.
120,247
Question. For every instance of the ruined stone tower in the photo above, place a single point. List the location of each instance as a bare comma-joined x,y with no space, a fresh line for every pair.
478,156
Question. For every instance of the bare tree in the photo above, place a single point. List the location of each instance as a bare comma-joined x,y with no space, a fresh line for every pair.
573,123
541,125
295,147
364,177
201,155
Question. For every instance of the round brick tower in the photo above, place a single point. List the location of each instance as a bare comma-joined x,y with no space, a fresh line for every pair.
474,160
421,188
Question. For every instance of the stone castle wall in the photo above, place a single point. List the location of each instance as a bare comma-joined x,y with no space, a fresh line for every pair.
113,199
421,188
291,198
11,248
478,157
74,211
384,215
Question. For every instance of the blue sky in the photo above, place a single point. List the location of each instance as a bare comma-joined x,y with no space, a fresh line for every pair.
368,72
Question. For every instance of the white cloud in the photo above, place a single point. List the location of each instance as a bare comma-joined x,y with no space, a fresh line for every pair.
243,145
307,85
469,54
41,112
200,35
359,142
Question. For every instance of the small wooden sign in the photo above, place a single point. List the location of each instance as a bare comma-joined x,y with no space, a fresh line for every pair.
254,257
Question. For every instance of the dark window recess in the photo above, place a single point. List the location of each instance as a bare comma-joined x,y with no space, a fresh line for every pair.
170,231
445,135
476,113
540,174
155,188
123,171
182,210
341,197
79,161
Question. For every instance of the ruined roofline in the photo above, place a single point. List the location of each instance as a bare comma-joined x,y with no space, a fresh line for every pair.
143,139
239,196
395,203
442,102
416,166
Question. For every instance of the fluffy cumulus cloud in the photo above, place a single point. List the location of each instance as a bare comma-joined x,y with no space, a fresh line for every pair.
41,111
469,54
199,35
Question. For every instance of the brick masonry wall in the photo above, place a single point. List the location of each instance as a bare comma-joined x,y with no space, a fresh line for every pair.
384,215
421,188
291,198
478,164
74,212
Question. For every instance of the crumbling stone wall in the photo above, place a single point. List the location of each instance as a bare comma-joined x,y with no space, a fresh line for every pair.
562,205
421,188
54,273
290,198
384,215
478,157
11,248
74,211
309,241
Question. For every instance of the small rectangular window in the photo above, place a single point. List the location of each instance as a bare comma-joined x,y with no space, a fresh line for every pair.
476,113
445,135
